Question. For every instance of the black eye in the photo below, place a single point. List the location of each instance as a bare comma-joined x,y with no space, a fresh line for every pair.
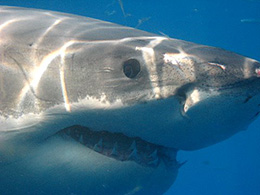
131,68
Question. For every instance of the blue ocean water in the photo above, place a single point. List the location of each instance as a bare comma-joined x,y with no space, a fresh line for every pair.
230,167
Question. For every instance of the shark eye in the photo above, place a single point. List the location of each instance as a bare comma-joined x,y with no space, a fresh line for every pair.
131,68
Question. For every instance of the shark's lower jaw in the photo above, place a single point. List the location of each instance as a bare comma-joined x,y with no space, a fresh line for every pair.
77,160
62,164
121,147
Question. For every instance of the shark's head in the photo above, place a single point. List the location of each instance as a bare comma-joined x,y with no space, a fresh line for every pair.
168,92
100,108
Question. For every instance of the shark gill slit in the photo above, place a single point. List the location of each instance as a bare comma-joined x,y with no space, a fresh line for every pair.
121,147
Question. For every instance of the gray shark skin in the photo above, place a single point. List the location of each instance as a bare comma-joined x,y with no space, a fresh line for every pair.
91,107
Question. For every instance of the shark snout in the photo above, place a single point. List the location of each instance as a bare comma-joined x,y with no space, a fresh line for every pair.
257,69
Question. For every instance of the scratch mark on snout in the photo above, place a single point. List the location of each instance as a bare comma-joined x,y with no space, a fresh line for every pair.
223,67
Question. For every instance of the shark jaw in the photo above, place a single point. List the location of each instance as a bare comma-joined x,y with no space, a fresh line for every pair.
62,165
121,147
51,151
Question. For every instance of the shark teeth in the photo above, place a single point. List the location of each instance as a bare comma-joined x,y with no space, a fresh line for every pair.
114,150
81,139
133,155
98,147
133,146
154,158
122,148
154,154
154,162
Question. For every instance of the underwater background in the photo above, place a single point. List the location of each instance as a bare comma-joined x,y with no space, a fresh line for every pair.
231,167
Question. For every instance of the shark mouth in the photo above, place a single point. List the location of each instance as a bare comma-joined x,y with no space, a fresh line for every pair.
121,147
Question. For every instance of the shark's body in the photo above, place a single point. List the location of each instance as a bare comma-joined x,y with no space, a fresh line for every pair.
87,106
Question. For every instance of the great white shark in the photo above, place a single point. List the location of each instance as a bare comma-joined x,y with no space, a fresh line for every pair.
91,107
